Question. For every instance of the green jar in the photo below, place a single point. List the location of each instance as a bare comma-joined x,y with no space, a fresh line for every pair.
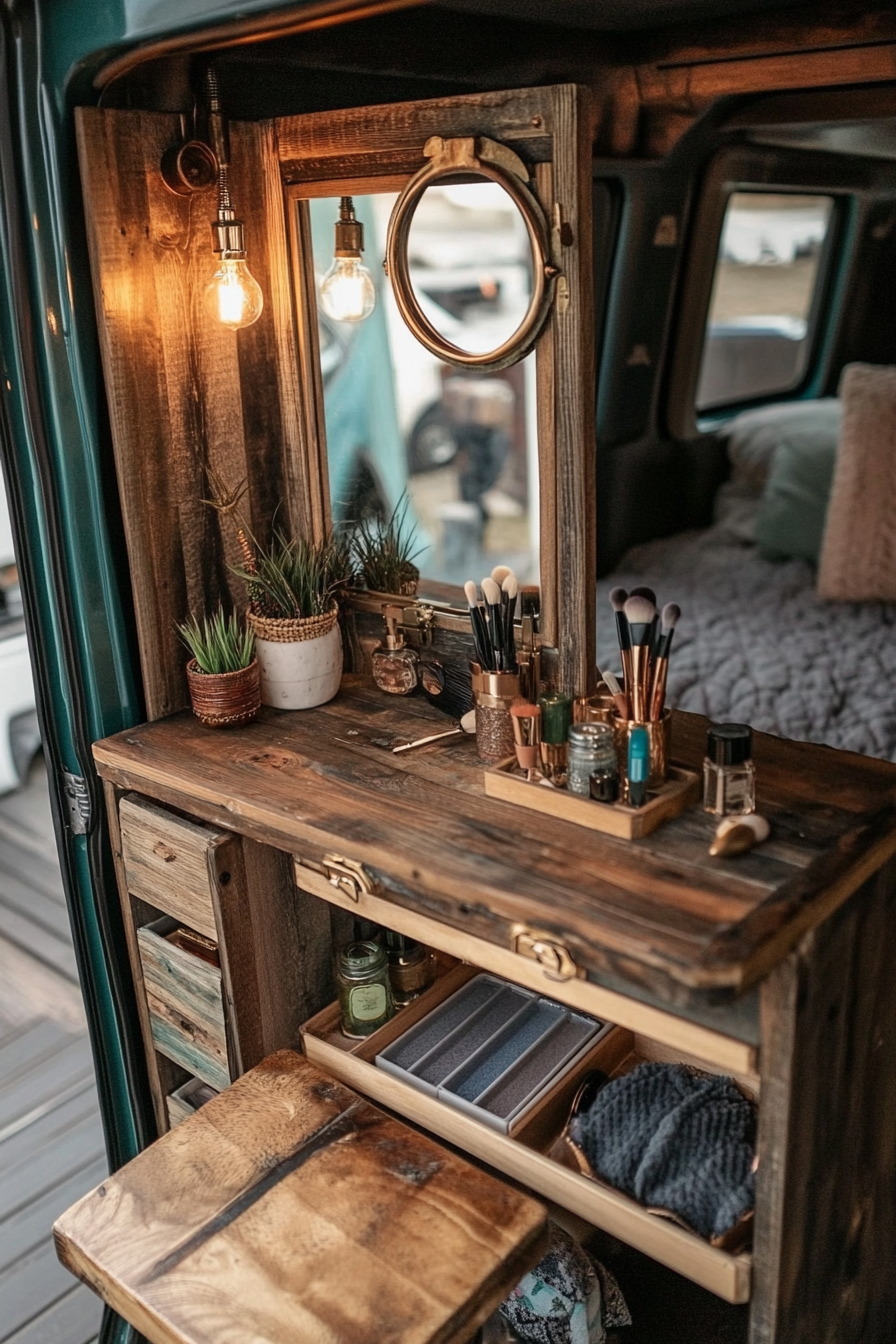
365,998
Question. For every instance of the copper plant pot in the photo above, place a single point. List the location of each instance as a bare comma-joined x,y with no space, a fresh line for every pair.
224,699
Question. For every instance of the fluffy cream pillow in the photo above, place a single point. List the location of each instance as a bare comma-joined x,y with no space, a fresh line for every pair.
858,553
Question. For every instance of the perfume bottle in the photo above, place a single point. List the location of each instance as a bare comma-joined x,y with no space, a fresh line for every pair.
729,778
394,665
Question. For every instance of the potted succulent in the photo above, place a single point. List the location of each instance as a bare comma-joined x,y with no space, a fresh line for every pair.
292,586
384,552
222,673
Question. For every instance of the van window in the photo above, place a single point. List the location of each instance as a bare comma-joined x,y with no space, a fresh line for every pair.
759,327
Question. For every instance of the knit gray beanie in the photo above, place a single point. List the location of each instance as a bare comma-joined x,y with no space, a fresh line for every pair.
675,1139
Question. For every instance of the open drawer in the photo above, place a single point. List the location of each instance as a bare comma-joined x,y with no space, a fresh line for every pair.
525,1153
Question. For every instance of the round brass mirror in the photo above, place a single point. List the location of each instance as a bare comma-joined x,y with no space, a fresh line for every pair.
510,304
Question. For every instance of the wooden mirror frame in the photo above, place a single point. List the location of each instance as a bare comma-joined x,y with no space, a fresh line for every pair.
361,151
188,398
483,158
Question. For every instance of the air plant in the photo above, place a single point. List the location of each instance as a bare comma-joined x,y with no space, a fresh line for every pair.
294,579
218,643
384,550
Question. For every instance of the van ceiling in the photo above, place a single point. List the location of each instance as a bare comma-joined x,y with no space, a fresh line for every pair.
611,16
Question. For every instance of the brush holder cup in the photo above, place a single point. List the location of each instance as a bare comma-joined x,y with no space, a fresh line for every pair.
659,740
493,694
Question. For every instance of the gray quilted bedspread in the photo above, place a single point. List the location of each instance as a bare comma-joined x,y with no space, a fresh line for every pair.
755,645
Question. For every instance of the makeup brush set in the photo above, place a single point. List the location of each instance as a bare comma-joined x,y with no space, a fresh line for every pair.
492,611
645,642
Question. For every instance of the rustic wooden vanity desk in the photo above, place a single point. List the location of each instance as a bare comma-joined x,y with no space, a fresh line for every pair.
776,966
266,841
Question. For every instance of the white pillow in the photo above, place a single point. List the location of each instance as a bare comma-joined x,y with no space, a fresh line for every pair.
753,436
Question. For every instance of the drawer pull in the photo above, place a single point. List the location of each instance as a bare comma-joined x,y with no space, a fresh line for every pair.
552,956
162,852
348,876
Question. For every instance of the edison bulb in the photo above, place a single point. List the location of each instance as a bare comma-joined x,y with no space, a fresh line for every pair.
346,291
234,296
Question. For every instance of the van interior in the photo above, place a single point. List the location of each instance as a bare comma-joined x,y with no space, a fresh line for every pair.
745,253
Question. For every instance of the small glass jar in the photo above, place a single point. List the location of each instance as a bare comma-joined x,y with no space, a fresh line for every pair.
729,776
410,968
365,996
591,750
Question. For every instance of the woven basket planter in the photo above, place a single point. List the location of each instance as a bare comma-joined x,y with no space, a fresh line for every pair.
300,660
225,699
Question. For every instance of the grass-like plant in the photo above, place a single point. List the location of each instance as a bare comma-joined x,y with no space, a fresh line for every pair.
385,549
219,643
296,579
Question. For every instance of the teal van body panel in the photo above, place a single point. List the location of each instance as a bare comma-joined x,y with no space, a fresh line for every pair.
60,476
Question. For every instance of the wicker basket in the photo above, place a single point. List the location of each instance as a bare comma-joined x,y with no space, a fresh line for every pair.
286,630
224,699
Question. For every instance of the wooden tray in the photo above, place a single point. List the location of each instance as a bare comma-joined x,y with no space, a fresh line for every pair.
627,823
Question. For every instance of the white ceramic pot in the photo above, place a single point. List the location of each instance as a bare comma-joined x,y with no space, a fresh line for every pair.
302,674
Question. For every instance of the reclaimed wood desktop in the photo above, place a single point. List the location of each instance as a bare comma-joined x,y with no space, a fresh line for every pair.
778,963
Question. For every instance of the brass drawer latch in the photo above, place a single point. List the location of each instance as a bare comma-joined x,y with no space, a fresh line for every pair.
348,876
550,955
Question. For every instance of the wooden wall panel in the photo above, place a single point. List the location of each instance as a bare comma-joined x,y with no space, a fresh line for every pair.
183,391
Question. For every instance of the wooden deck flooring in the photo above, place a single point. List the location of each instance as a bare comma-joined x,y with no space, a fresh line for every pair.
51,1141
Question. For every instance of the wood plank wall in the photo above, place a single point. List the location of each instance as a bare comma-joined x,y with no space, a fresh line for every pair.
183,391
187,397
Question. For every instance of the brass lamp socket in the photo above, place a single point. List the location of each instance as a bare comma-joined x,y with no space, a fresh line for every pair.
349,231
229,237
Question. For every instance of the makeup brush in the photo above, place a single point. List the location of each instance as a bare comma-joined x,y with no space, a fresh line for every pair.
526,720
477,620
510,587
492,595
618,599
620,699
651,597
500,572
639,613
671,613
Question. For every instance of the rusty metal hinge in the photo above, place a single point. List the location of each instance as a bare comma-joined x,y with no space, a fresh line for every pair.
552,956
348,876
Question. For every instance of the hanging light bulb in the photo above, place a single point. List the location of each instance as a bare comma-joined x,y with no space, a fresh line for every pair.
233,296
346,291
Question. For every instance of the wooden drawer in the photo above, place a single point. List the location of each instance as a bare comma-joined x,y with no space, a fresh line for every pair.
167,862
186,1006
525,1156
545,977
187,1099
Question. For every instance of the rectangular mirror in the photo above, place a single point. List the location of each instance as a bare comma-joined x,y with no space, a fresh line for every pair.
458,446
497,464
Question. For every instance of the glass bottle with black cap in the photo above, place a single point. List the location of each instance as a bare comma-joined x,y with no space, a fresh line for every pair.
729,776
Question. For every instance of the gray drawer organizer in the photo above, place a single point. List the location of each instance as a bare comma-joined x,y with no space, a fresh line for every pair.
492,1050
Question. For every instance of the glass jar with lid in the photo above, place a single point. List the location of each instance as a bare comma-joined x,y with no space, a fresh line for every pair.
591,751
365,997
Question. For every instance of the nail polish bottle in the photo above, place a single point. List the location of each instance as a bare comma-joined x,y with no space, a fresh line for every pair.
394,664
729,776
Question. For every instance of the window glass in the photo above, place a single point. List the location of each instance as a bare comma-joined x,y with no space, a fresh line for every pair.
758,332
461,444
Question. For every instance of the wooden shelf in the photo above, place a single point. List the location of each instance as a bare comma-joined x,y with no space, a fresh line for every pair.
525,1157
